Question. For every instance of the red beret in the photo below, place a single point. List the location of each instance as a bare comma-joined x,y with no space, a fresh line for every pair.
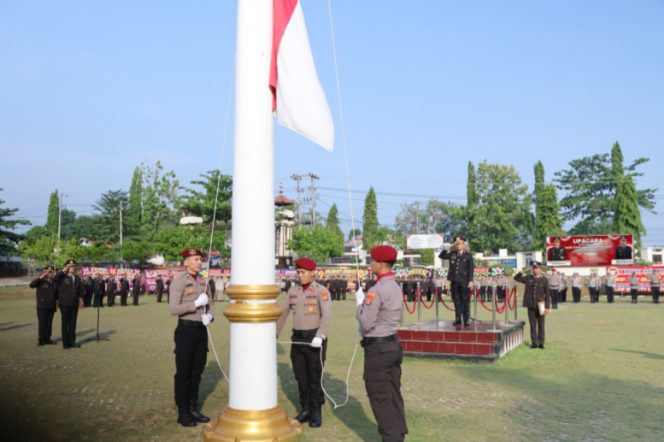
191,251
384,253
305,263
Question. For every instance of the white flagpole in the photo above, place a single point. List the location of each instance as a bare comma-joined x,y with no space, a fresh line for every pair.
253,412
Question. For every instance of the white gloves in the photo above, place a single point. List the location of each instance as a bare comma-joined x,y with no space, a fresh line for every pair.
201,300
317,342
206,318
359,296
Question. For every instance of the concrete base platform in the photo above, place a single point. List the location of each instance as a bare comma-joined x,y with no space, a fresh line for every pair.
478,341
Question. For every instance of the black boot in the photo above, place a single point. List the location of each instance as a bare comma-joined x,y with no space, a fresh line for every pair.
195,414
316,417
184,418
304,415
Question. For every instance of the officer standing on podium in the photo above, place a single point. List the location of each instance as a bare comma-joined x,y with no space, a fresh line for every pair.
460,274
189,302
311,305
378,314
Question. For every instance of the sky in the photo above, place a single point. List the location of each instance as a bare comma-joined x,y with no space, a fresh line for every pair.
89,90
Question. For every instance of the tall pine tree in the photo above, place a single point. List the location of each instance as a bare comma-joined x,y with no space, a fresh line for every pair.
547,210
333,220
472,199
370,234
52,215
134,214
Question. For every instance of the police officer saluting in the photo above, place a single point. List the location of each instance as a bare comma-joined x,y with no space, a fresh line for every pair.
311,305
189,302
460,275
537,291
70,298
378,314
46,299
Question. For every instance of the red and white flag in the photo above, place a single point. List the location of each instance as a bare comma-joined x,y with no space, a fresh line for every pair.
297,96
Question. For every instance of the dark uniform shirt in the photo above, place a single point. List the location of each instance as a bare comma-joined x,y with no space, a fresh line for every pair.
462,267
69,289
46,293
537,290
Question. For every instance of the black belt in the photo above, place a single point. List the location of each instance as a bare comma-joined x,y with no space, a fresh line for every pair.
375,339
305,333
189,323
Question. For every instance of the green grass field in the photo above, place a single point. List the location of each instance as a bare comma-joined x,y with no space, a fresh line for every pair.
600,378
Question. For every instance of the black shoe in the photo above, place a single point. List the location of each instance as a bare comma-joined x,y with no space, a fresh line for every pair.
66,347
49,342
533,346
304,416
456,323
75,346
541,346
198,416
316,418
466,324
39,344
185,419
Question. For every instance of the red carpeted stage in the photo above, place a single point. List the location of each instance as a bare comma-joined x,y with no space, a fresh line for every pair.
479,341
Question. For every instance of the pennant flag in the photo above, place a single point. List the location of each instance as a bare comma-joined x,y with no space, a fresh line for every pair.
297,96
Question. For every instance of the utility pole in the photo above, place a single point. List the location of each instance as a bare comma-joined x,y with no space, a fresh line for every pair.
121,233
60,196
298,179
312,189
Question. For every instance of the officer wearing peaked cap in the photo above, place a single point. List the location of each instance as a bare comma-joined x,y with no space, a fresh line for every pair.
460,275
378,314
190,303
46,299
537,291
70,299
311,305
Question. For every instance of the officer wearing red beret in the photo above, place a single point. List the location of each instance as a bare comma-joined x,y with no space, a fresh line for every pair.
378,314
311,305
189,302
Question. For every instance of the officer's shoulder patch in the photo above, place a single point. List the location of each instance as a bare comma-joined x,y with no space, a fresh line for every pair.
325,295
371,296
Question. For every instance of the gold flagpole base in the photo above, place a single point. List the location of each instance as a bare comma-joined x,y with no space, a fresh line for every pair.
252,425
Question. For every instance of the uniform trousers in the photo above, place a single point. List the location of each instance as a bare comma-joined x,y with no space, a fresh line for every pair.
554,297
306,361
609,294
563,295
635,295
45,318
98,300
382,380
110,299
123,298
461,298
655,294
536,321
134,298
68,317
160,294
576,294
191,347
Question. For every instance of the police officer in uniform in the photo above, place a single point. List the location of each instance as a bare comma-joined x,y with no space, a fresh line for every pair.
70,299
135,289
610,287
623,251
556,253
378,314
634,288
190,303
311,305
655,283
46,299
98,290
554,288
460,274
160,288
124,289
577,286
537,290
112,288
88,289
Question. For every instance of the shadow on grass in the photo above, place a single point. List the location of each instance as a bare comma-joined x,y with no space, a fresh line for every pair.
645,354
211,377
351,415
7,326
103,336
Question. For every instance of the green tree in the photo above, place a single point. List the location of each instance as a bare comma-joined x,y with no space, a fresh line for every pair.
436,217
332,221
9,239
106,225
159,194
202,202
502,202
170,240
472,200
317,243
352,233
52,214
39,245
370,220
547,210
590,185
135,209
627,215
